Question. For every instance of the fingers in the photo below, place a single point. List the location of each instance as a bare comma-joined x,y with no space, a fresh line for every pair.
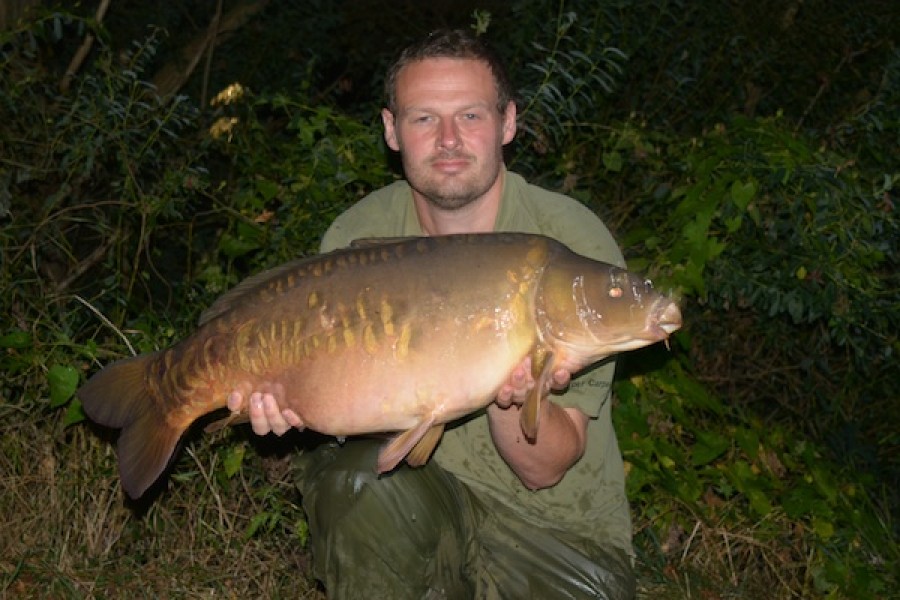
292,418
517,386
266,417
504,396
520,383
235,401
561,379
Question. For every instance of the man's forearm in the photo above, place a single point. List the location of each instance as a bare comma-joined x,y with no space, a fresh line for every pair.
560,442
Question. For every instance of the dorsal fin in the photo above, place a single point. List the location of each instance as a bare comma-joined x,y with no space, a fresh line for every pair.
374,242
229,299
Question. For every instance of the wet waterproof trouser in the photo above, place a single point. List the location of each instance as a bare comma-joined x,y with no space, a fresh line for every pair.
421,533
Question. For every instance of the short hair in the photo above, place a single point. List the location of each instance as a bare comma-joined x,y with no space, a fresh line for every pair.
451,43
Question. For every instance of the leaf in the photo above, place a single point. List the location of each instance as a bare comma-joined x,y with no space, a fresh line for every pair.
733,224
233,247
234,459
824,529
759,502
748,440
301,530
612,161
710,445
267,189
742,193
15,339
63,382
258,521
74,413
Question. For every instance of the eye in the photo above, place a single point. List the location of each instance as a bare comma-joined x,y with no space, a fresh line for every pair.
615,292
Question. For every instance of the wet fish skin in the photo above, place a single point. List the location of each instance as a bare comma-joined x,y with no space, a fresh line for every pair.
402,336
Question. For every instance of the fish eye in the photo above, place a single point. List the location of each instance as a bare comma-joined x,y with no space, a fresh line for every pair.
615,292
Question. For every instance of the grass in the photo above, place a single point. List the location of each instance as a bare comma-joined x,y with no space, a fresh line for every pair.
69,532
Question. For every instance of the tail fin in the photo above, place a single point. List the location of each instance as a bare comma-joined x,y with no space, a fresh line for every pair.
118,396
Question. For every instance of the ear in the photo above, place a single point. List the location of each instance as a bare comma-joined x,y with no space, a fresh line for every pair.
509,123
390,129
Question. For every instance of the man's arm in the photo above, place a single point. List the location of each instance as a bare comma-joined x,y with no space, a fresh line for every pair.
560,442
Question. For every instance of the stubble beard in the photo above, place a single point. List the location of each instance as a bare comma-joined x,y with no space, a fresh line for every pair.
455,192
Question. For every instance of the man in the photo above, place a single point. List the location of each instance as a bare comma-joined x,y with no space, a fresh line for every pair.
491,515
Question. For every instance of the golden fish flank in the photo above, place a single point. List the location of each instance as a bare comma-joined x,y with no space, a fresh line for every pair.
402,336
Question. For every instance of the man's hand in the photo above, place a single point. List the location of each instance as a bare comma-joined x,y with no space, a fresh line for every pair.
520,382
265,414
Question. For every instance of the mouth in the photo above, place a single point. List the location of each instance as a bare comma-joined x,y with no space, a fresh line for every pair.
664,319
450,164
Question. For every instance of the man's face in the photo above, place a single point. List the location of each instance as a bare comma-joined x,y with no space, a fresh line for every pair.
448,129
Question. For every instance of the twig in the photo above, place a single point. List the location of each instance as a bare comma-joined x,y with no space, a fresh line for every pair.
210,50
109,323
730,557
224,522
80,269
687,544
83,50
826,83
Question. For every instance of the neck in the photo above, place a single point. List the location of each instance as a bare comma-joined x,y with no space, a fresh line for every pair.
476,217
479,216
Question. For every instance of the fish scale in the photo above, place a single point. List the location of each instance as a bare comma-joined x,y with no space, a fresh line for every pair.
401,336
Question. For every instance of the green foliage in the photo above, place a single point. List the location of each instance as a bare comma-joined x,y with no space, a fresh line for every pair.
696,464
750,218
692,63
131,214
293,168
566,82
785,254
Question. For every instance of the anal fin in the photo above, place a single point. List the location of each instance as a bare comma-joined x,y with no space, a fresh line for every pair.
234,418
422,451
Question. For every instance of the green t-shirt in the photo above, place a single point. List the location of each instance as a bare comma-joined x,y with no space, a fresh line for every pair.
590,500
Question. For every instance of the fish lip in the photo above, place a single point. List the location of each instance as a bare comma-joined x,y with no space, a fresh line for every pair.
663,319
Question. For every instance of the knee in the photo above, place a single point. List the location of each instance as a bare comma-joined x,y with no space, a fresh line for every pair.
341,490
335,476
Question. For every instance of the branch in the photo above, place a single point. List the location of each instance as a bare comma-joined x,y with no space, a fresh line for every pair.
213,29
173,75
83,51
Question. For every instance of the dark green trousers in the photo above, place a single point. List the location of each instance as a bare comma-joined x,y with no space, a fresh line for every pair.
421,533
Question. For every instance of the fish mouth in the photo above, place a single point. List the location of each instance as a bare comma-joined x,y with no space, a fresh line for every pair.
663,319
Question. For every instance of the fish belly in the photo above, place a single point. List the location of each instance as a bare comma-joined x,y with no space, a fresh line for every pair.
381,343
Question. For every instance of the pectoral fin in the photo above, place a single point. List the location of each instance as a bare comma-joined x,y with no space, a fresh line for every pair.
234,418
405,442
541,371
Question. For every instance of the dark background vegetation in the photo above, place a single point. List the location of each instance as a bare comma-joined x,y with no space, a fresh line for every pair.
745,154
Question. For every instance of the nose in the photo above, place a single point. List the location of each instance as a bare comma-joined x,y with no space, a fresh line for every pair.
448,135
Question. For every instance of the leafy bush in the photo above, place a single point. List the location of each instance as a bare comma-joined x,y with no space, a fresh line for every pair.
785,255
